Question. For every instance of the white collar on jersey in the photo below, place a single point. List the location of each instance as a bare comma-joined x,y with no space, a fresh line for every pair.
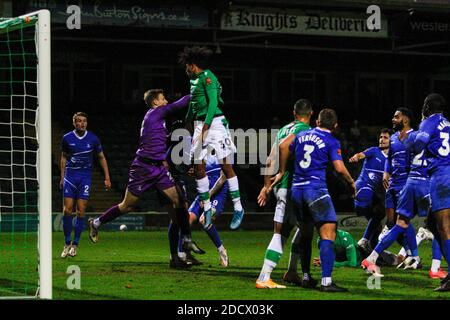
75,134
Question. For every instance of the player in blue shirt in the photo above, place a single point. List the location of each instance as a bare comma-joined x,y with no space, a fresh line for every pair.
314,150
370,193
218,188
78,148
413,199
396,167
433,140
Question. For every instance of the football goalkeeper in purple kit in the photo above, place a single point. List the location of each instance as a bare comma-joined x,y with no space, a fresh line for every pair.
147,171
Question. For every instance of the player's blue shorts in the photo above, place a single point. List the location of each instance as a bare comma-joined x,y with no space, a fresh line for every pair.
366,195
392,196
313,204
217,203
414,198
77,185
440,189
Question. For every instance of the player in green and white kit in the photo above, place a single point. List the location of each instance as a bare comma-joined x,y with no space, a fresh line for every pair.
282,227
350,254
211,132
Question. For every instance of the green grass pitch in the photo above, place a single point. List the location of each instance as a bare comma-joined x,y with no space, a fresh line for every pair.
135,265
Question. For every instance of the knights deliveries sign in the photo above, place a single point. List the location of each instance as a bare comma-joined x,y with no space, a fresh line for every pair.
322,23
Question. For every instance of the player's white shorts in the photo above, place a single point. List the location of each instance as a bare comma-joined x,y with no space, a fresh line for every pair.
281,196
217,139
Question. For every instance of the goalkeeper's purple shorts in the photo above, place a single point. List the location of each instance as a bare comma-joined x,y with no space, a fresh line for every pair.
146,174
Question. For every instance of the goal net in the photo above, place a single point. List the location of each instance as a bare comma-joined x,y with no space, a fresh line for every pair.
25,157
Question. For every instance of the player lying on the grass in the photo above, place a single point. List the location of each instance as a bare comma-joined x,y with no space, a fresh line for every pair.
78,148
147,171
370,194
211,133
414,199
314,150
302,115
436,272
433,140
350,254
218,191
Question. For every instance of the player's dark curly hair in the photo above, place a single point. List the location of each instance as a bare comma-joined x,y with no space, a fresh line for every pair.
199,56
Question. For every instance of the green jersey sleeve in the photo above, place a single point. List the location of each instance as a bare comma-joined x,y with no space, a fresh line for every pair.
345,240
212,88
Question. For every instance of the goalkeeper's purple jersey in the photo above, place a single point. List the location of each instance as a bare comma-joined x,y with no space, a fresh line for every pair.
153,139
434,135
314,150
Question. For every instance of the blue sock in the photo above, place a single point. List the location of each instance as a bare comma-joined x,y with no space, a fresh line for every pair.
79,226
436,250
446,252
389,239
67,227
174,237
214,236
327,256
410,237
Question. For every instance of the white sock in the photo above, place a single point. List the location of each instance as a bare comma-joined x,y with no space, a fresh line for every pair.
402,252
182,255
97,223
326,281
221,248
373,257
435,265
233,184
275,245
203,188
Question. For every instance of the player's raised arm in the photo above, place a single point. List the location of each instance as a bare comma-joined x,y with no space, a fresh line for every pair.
357,157
104,165
177,105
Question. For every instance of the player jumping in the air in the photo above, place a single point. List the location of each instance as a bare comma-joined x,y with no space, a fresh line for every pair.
211,133
78,148
433,140
148,171
314,150
302,113
370,194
